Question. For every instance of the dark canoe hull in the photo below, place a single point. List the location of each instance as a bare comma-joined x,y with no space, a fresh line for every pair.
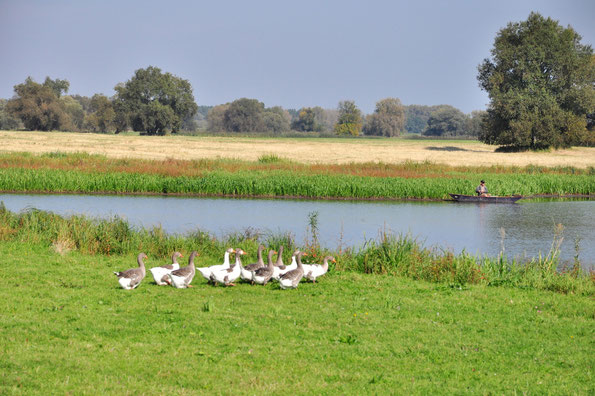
475,198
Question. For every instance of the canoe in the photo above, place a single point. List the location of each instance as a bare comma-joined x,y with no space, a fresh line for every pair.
475,198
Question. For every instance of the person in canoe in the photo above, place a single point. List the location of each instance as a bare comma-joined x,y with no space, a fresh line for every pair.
482,190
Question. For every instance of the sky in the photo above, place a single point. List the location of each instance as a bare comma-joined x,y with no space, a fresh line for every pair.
284,53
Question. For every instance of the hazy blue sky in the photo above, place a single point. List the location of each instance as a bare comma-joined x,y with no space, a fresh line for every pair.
287,53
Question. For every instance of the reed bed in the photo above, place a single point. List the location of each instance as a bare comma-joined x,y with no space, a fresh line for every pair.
397,255
280,183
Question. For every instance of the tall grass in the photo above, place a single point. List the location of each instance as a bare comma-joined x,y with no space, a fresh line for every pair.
398,255
288,184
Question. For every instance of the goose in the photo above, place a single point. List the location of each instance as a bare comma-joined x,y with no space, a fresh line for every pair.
160,273
182,277
131,278
247,271
229,275
291,279
264,274
313,271
206,272
278,271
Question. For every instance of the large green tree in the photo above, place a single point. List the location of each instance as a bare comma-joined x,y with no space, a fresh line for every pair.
38,106
447,121
388,118
244,115
350,119
154,102
540,81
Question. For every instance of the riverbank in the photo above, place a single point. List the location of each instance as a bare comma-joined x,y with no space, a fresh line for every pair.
68,328
390,254
275,177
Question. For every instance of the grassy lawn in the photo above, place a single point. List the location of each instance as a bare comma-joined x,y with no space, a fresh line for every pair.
67,328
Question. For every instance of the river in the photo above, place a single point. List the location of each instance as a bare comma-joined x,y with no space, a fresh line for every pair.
528,226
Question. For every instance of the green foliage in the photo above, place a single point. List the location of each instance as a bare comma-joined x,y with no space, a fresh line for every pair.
388,118
57,86
446,121
38,106
101,116
350,120
7,120
541,86
276,120
75,110
475,122
308,120
154,102
216,118
244,115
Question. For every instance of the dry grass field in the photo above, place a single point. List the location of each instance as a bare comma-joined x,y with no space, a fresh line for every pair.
328,151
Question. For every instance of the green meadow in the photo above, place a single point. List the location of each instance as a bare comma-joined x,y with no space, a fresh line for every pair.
67,328
391,318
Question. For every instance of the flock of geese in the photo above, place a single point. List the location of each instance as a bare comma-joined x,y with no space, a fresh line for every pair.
288,276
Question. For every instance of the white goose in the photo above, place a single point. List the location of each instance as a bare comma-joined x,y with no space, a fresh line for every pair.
206,272
291,279
280,271
181,278
160,274
229,275
248,271
131,278
313,271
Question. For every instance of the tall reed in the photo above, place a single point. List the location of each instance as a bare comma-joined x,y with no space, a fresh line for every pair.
285,183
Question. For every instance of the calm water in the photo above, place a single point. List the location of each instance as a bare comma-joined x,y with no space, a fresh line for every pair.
476,228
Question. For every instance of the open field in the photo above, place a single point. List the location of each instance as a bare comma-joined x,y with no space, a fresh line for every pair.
68,329
329,151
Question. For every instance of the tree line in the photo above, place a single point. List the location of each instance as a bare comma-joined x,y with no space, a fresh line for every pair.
540,80
158,103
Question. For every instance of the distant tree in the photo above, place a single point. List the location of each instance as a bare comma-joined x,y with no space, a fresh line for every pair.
540,81
216,118
58,86
416,118
447,121
84,101
388,118
350,120
276,119
7,120
327,118
475,122
101,116
314,119
306,121
38,107
245,115
75,110
154,102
